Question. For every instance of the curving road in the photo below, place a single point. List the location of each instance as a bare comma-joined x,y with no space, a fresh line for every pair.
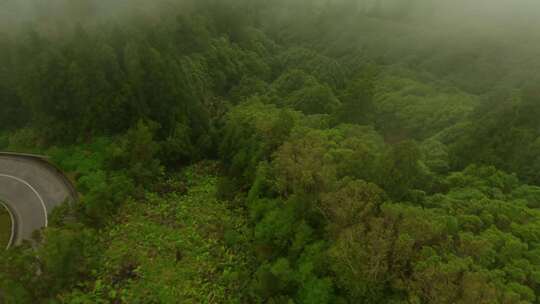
31,187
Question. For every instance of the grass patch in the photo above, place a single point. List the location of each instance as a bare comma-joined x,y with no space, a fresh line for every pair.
180,246
5,226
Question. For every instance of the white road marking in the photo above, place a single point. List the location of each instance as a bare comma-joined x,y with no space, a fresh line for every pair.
33,190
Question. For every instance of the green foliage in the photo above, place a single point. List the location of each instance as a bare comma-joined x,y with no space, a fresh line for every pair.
358,101
5,226
401,169
362,165
410,108
325,69
187,248
137,152
301,91
67,255
251,133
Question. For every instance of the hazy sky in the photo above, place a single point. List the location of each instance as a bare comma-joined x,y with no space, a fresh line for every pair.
59,13
520,14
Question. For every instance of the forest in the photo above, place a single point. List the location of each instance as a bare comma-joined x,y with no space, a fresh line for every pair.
282,152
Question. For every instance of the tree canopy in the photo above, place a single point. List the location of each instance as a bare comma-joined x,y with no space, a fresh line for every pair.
297,151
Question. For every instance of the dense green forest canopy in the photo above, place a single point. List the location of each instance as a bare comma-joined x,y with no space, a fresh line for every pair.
287,151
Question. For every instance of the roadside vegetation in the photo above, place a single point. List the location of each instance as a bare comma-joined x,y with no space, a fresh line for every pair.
5,226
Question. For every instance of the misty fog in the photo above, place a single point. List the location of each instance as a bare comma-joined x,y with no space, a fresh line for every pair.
488,14
270,151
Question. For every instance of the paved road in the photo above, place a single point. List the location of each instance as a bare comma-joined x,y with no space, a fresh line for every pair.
31,188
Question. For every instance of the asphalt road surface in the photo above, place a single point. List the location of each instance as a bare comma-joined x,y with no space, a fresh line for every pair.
31,188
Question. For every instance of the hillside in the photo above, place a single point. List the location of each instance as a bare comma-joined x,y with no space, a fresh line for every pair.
299,151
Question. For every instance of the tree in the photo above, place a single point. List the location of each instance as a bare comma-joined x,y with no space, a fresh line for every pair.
355,202
358,102
318,99
401,169
137,154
